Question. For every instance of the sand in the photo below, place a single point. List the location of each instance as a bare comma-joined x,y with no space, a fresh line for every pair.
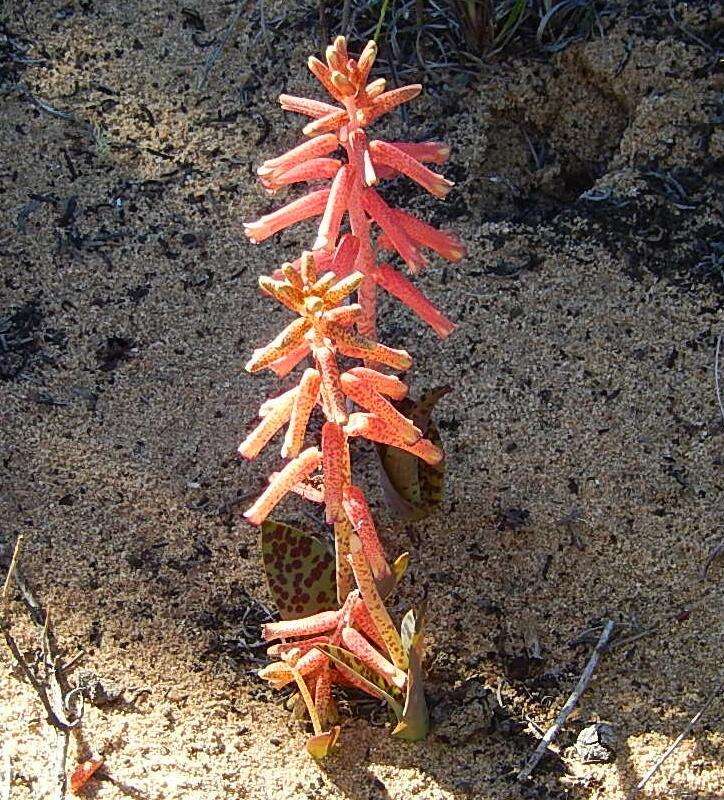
584,441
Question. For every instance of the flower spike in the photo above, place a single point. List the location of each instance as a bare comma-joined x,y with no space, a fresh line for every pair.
348,637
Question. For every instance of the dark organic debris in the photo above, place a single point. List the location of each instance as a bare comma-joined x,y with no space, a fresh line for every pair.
22,340
513,519
114,352
464,713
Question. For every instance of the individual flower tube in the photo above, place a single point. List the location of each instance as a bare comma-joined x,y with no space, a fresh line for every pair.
329,122
343,569
350,344
362,620
334,454
400,287
279,674
342,289
367,654
387,102
271,422
430,152
283,365
444,243
296,628
315,169
346,316
299,647
358,513
293,473
282,345
287,295
364,395
381,213
375,429
336,407
303,402
336,206
303,105
323,701
391,156
345,255
321,146
311,205
389,385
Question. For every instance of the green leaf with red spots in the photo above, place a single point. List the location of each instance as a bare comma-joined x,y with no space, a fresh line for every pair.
413,489
299,571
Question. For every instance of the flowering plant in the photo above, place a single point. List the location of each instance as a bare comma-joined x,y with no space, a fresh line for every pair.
343,636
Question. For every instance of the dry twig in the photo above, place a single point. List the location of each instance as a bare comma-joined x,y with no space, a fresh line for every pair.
570,704
716,375
47,680
11,569
219,49
679,739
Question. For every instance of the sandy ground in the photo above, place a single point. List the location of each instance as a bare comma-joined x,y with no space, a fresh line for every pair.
584,440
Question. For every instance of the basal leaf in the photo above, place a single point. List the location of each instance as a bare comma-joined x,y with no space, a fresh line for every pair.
299,571
415,720
413,489
347,662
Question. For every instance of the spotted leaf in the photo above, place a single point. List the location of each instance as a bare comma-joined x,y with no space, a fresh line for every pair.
413,489
299,571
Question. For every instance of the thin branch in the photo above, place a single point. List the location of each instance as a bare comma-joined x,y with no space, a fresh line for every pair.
716,375
219,49
61,756
264,31
30,675
49,684
346,10
570,704
41,104
679,739
11,568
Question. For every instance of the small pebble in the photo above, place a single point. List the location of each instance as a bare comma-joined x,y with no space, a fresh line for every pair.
596,743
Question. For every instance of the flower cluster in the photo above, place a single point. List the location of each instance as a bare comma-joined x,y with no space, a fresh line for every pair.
352,192
356,644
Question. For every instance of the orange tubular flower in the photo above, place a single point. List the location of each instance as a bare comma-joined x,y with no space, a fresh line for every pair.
358,513
376,429
358,104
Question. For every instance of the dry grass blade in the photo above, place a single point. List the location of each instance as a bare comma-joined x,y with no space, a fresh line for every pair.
679,739
11,569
